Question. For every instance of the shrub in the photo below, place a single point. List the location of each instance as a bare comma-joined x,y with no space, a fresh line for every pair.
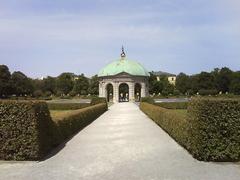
176,92
67,106
37,93
78,119
72,93
48,93
147,99
206,92
173,105
174,124
26,130
98,100
211,130
215,128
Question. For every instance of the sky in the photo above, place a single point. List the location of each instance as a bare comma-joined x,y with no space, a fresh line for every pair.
48,37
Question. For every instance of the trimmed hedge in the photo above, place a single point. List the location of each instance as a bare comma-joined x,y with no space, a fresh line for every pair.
214,126
26,130
169,120
147,99
78,119
98,100
211,131
67,106
173,105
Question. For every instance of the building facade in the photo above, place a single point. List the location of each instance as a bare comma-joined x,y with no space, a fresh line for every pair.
123,80
170,77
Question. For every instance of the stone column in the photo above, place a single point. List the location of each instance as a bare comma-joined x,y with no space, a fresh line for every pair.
104,90
131,91
146,89
115,92
143,89
100,89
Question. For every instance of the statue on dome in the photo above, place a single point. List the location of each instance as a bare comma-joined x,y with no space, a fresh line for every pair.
123,55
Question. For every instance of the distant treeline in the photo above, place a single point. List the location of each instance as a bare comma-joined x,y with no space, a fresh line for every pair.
219,81
18,84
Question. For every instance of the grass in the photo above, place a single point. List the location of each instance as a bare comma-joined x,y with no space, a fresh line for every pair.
58,115
182,113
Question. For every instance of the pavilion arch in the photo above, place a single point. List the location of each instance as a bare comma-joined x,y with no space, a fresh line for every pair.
137,91
109,92
123,90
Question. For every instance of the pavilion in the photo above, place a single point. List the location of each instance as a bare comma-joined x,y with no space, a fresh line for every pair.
123,80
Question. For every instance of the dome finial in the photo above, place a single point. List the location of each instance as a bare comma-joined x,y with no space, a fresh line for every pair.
123,55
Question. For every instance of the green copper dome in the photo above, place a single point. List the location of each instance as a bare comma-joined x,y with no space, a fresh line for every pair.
123,65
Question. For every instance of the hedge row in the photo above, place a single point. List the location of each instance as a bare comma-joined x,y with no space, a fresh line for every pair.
27,131
147,99
173,105
78,119
98,100
67,106
214,127
169,120
211,131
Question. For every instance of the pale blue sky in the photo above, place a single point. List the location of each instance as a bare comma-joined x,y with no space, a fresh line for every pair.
47,37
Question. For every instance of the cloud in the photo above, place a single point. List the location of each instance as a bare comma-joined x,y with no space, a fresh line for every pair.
169,33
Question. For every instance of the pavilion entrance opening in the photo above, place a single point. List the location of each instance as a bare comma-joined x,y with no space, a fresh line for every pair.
137,92
109,90
123,92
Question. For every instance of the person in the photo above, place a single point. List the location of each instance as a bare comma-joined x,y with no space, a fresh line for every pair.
121,97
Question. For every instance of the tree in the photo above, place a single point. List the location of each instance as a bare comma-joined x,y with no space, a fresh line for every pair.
38,93
168,89
235,83
81,85
193,83
22,85
65,82
38,84
182,83
157,87
94,85
152,83
206,81
49,84
5,84
223,79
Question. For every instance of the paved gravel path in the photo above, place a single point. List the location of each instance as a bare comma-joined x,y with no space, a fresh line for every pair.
121,144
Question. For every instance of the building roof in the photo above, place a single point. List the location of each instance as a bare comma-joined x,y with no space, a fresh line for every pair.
162,73
123,65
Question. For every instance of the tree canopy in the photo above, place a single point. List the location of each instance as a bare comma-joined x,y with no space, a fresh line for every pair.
222,80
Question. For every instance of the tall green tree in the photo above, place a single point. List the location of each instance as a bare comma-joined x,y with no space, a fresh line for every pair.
22,85
38,84
182,83
235,83
5,84
65,82
223,79
49,84
81,85
94,85
152,83
206,81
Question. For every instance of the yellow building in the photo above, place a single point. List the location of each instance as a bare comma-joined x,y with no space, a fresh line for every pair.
171,77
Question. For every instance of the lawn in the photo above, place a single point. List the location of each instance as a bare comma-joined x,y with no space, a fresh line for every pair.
182,113
57,115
